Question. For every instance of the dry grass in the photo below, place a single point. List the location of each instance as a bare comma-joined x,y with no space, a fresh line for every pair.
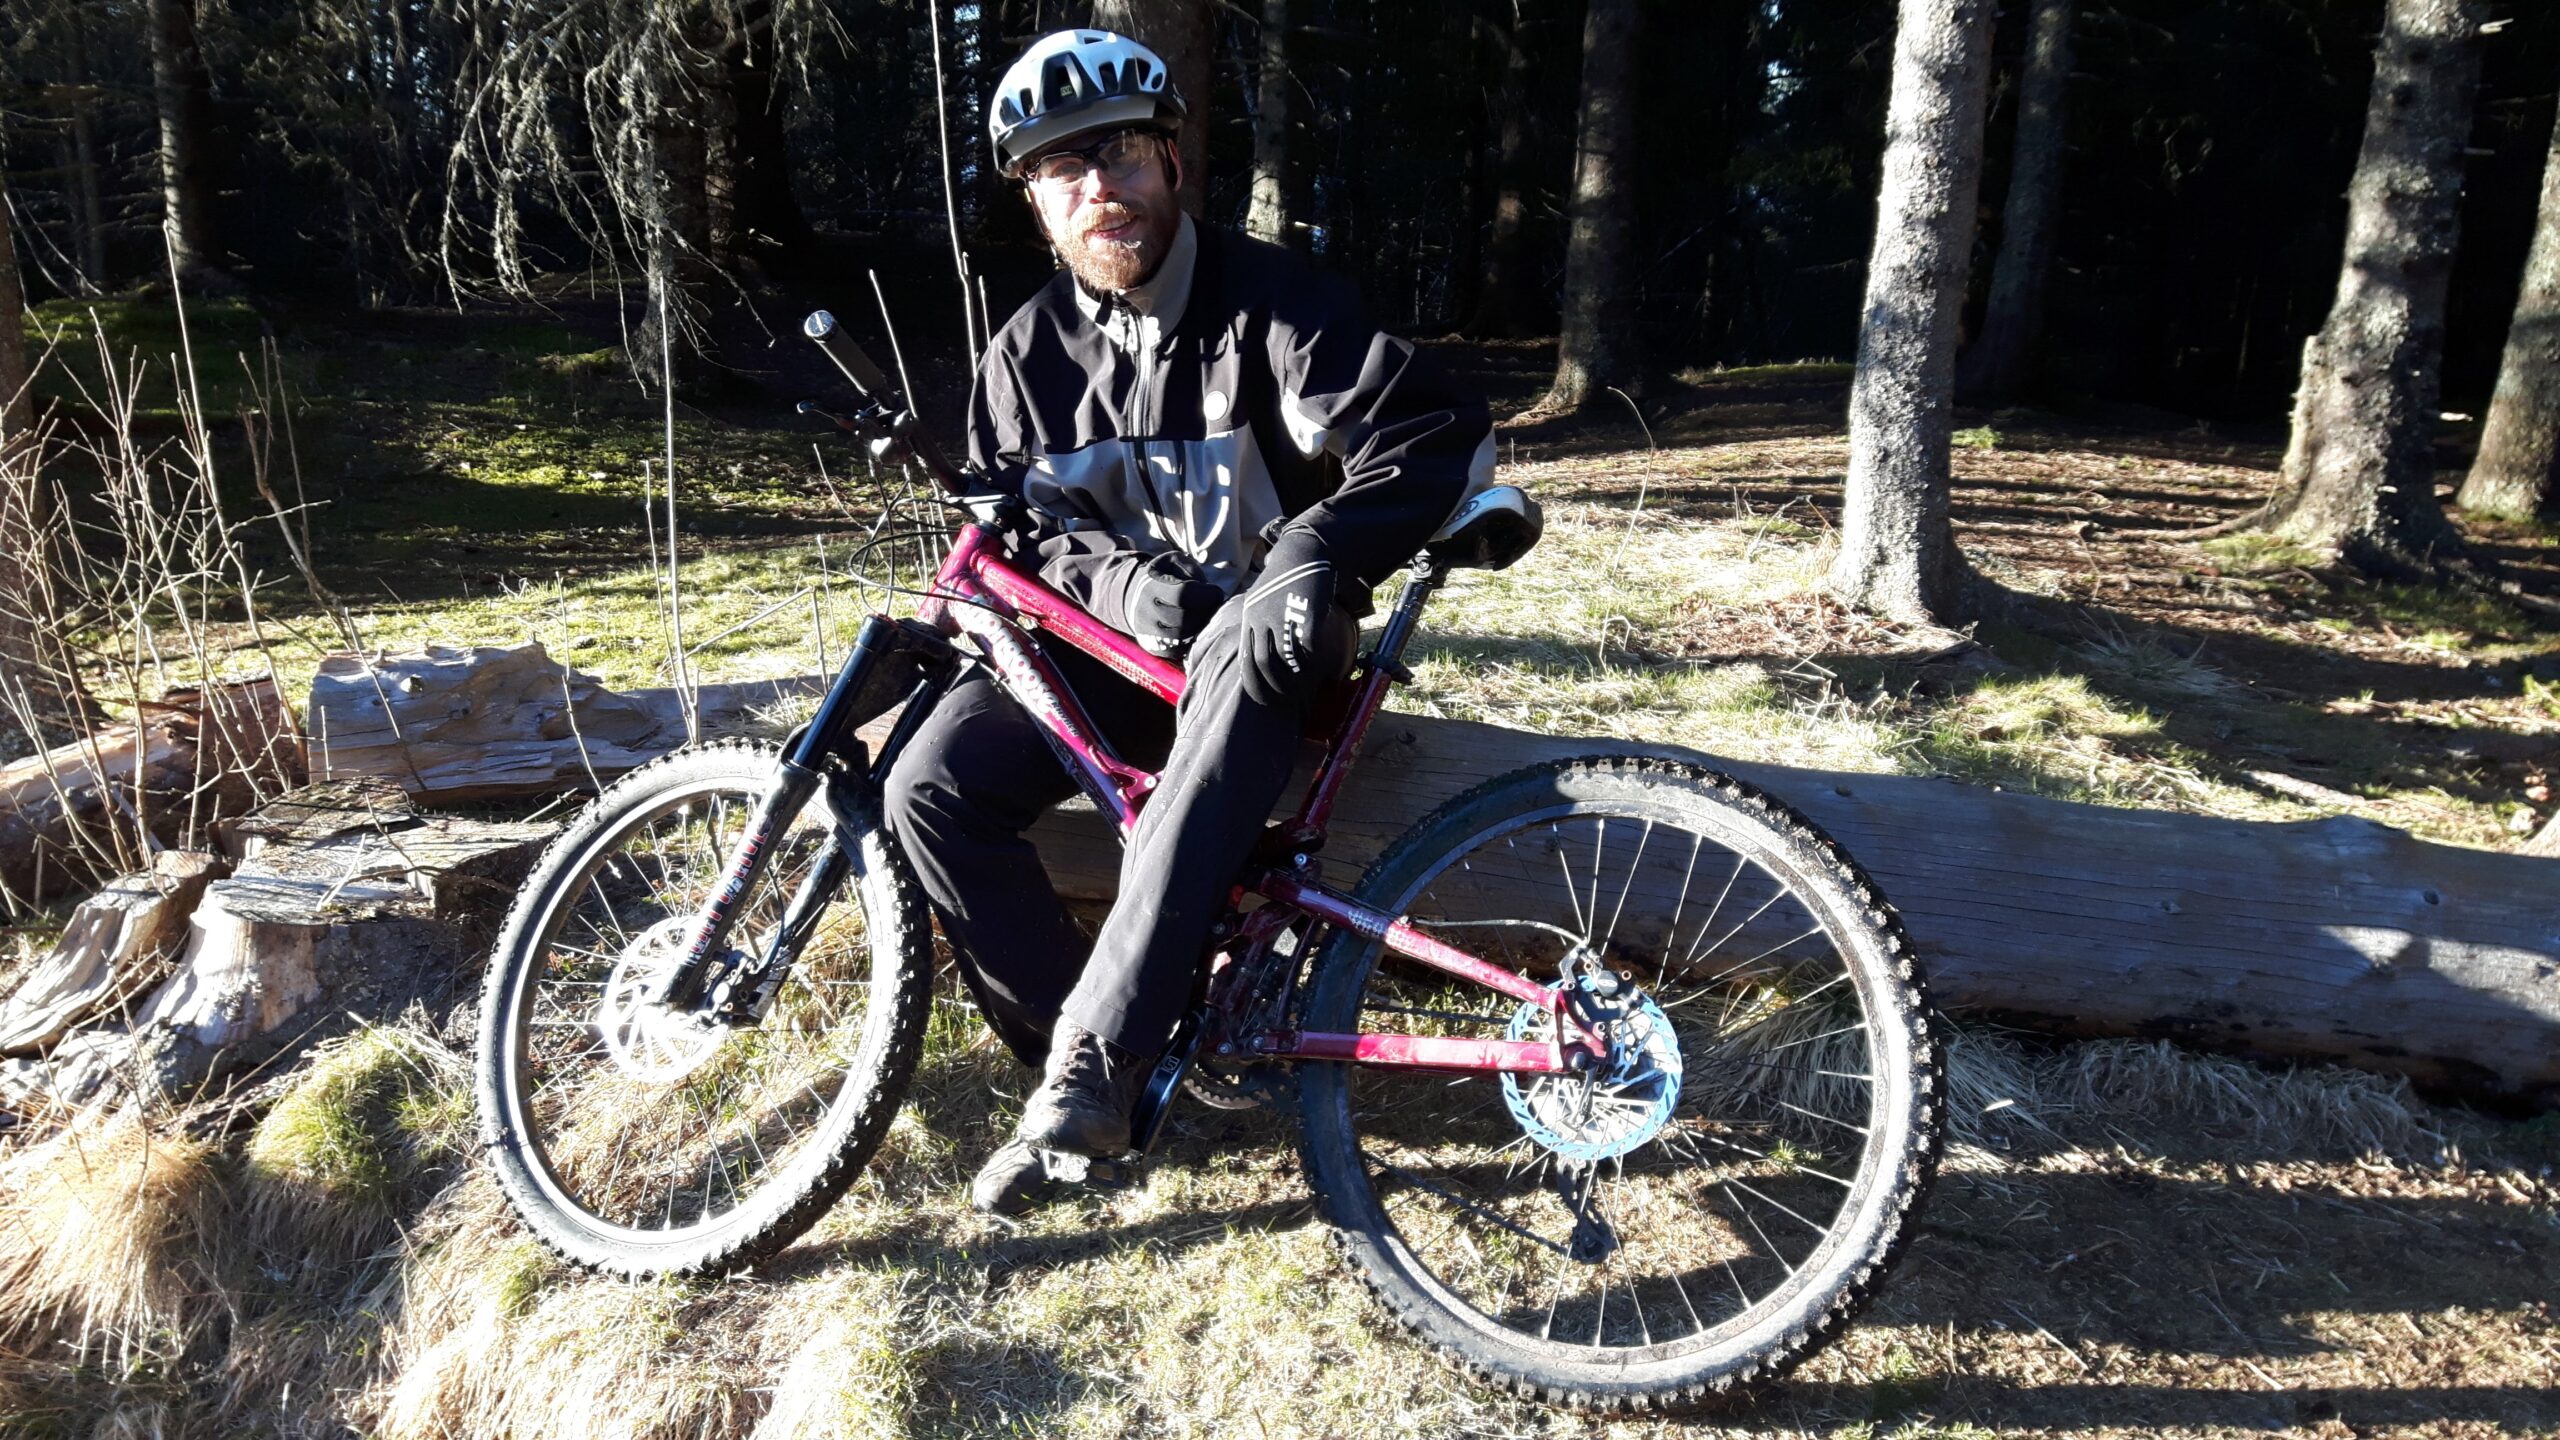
272,1292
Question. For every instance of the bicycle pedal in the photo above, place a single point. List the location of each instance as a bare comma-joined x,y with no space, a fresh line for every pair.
1089,1172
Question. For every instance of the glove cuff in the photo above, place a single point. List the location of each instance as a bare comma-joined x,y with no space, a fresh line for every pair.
1293,550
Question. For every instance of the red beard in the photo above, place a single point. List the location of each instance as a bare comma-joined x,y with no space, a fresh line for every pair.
1123,260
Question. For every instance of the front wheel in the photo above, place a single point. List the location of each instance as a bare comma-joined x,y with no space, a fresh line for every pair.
1713,1204
636,1139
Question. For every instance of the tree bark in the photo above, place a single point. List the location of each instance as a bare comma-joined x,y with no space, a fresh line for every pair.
457,724
84,158
183,96
1994,368
1497,301
116,946
2359,472
1596,344
1267,218
1898,554
1178,30
98,806
2520,443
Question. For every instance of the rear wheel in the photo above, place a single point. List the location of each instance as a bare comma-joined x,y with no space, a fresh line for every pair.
633,1139
1711,1206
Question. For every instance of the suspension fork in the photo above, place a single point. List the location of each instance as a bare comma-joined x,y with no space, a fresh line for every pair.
888,657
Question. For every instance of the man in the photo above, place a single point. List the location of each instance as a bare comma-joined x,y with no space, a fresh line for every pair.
1223,456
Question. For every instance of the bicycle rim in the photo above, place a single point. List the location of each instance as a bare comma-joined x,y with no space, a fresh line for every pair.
640,1142
1705,1211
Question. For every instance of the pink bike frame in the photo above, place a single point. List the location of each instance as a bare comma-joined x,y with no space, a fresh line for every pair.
979,595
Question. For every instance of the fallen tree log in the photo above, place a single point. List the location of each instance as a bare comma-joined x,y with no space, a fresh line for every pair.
2334,940
459,723
99,806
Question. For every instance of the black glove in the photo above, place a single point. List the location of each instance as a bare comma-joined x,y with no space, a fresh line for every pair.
1284,615
1166,600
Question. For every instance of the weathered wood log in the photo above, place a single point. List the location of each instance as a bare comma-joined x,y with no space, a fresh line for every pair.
493,722
2335,940
117,945
82,812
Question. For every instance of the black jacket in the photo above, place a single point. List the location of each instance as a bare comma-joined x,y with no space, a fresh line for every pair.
1272,403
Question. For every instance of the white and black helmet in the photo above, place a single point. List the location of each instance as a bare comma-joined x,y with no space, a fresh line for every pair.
1074,82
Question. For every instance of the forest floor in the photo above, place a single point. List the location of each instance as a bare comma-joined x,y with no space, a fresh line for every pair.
2137,1241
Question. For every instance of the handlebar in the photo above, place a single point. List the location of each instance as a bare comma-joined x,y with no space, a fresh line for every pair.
891,416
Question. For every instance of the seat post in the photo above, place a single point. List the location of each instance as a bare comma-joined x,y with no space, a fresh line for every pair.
1422,575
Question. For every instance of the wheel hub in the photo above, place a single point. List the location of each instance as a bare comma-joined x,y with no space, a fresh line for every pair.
1606,1112
649,1041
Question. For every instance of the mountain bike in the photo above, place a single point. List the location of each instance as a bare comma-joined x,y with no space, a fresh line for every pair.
1614,1077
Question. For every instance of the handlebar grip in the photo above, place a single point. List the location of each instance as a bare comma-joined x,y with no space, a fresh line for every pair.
821,327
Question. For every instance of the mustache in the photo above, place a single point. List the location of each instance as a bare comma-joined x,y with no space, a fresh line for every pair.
1105,216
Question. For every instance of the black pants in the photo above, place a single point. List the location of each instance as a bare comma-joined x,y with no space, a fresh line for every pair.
979,773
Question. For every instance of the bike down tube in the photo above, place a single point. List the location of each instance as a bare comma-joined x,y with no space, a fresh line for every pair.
965,603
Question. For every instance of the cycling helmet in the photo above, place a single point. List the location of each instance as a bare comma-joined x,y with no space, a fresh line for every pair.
1074,82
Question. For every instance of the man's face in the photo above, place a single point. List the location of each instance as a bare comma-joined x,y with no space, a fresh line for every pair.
1111,223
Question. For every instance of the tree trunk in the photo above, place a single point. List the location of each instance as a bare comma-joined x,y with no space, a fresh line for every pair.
765,213
1898,554
84,159
2520,443
1268,217
1596,343
34,671
679,243
2359,473
183,96
1178,30
1995,367
1497,301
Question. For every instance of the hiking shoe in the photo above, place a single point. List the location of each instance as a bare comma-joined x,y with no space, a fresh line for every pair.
1014,1181
1086,1092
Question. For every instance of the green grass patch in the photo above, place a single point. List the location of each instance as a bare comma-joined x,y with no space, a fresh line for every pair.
1800,371
2250,553
2456,620
367,1114
1980,437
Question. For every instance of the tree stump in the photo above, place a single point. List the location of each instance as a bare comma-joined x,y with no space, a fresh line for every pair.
116,946
356,918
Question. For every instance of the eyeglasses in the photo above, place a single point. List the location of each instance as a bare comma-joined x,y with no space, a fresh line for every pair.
1118,156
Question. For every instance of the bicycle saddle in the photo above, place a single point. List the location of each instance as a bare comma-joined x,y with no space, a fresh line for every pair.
1492,529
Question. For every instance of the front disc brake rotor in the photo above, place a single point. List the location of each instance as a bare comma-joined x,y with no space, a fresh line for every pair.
1603,1114
648,1041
